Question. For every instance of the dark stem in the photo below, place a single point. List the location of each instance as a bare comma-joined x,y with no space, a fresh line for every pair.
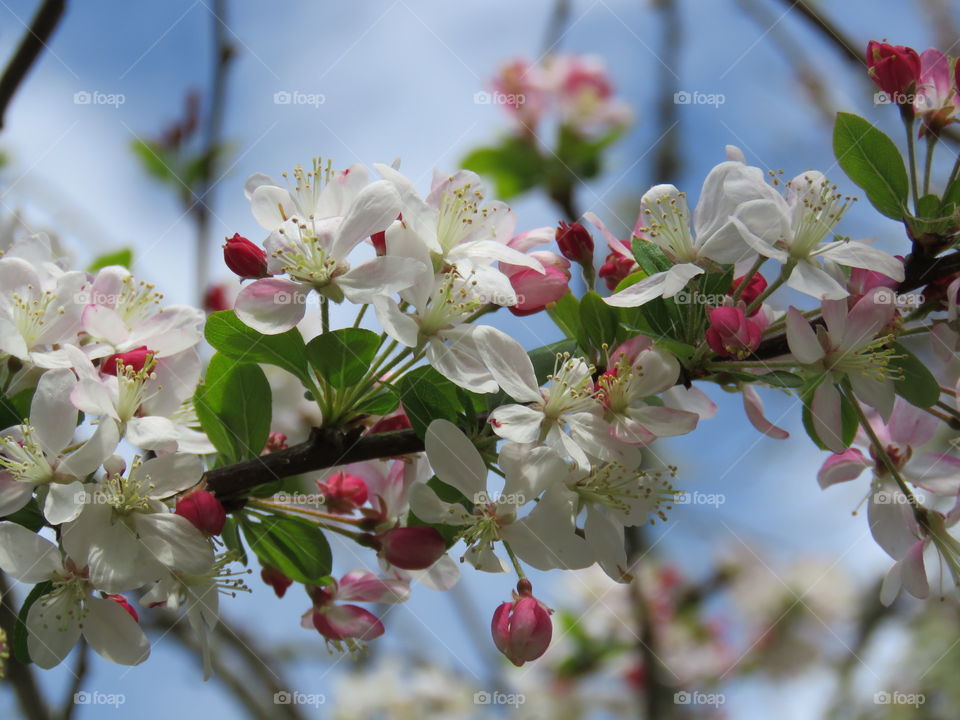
223,53
32,704
666,163
80,671
556,26
31,45
325,448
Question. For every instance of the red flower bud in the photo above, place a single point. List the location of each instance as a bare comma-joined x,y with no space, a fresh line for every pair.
203,510
343,493
731,334
895,69
135,359
522,629
244,258
276,579
575,243
615,269
536,290
125,604
215,299
753,290
412,548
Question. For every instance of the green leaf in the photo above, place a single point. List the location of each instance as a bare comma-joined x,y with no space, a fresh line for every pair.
122,257
228,335
294,546
872,161
916,383
382,403
14,410
544,358
849,419
342,357
152,159
426,396
234,407
515,165
21,651
649,257
29,516
231,538
598,323
565,314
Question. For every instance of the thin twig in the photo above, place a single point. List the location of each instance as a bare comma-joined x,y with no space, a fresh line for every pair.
31,45
80,670
667,164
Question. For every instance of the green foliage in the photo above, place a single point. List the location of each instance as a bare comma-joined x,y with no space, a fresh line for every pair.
515,165
227,334
234,408
122,257
342,357
14,410
294,546
872,161
21,651
598,324
427,396
915,384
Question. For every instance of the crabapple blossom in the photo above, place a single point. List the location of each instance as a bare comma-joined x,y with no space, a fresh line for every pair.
522,629
244,258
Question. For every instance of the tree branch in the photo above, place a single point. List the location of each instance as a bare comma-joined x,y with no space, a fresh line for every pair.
33,42
325,448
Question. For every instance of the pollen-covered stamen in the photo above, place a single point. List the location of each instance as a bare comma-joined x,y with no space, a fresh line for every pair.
613,386
69,593
570,387
638,494
24,459
460,209
32,314
136,301
667,223
307,187
126,494
821,209
454,300
131,387
305,258
874,361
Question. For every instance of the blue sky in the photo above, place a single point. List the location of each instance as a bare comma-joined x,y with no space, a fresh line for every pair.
398,79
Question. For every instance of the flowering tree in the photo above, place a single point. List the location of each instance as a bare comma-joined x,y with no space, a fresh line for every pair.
148,460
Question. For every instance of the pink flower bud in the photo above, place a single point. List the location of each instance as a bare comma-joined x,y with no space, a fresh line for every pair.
244,258
343,493
397,420
125,604
753,289
575,243
276,579
731,334
412,548
135,359
863,281
215,299
615,269
275,441
203,510
537,290
522,629
895,69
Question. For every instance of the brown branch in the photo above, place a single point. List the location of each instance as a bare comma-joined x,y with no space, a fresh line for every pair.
325,448
20,676
667,164
33,42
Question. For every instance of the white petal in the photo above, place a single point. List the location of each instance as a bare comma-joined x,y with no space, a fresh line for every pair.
113,633
379,276
641,292
64,502
397,324
428,506
861,255
272,305
454,458
25,555
53,629
802,339
808,278
517,422
170,474
372,211
89,456
174,542
509,363
51,414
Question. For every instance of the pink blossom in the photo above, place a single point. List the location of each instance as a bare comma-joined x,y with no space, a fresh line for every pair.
522,629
